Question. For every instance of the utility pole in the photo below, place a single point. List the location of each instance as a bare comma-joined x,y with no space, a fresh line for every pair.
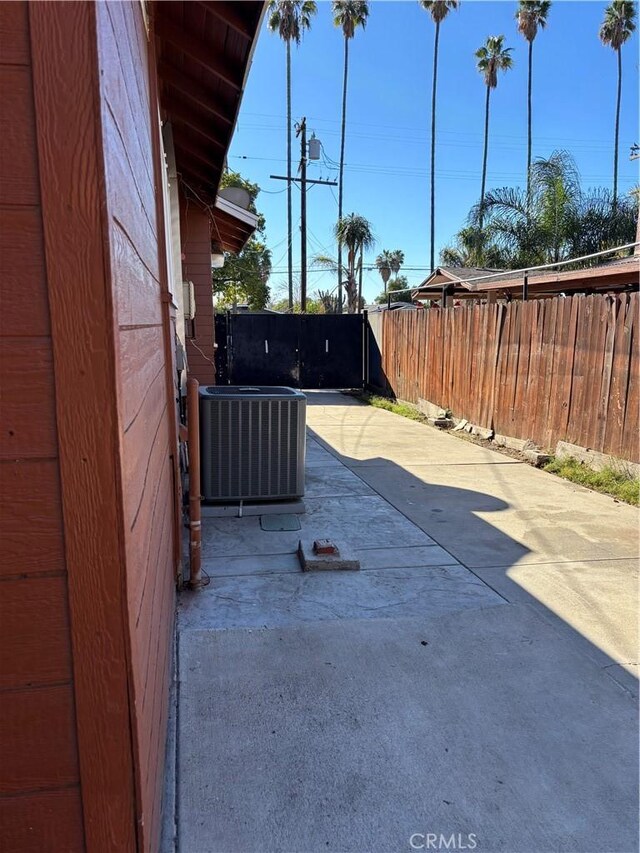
635,155
301,131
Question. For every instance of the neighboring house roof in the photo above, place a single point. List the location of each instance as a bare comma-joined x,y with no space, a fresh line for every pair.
395,306
443,275
611,275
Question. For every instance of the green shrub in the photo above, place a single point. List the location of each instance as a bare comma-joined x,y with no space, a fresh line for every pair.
406,410
614,481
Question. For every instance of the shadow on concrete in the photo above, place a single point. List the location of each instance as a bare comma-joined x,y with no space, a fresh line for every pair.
573,574
358,733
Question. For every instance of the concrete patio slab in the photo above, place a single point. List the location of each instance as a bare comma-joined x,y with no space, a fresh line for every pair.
256,564
417,695
366,521
370,558
354,735
626,676
402,558
267,601
498,515
408,443
322,481
317,455
573,593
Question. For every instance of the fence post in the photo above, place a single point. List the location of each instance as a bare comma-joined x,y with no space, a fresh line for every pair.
365,349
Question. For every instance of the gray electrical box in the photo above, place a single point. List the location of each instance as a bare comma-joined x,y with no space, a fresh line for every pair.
252,443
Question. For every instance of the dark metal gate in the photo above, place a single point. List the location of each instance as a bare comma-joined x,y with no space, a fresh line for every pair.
298,350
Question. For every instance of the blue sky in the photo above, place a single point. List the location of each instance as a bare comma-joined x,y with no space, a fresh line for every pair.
388,121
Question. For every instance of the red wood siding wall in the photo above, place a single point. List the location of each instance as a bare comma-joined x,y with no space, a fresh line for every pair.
40,805
196,248
44,765
144,403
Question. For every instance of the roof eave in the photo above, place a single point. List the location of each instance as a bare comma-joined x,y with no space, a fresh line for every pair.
232,237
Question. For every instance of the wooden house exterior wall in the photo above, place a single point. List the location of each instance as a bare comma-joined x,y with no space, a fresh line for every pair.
88,493
146,404
196,230
40,797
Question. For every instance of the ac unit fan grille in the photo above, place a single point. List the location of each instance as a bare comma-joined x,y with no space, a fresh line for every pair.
252,448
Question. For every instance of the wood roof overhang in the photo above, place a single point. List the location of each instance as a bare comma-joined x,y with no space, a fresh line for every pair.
204,51
616,275
448,276
232,225
611,276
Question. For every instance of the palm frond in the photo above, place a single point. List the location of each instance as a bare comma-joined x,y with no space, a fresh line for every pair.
290,18
492,57
531,16
325,262
507,202
349,15
439,9
354,231
560,220
618,24
396,261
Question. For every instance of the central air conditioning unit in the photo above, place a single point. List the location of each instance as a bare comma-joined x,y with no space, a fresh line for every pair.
252,443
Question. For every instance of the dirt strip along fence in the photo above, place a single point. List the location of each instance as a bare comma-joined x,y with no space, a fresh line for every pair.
546,370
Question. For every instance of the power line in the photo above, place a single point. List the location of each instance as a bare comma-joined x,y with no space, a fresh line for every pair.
273,266
366,267
410,172
277,245
323,248
466,142
423,130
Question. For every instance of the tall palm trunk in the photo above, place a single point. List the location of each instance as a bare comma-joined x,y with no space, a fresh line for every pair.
529,127
289,218
433,146
480,247
352,284
344,124
617,133
484,170
360,268
352,296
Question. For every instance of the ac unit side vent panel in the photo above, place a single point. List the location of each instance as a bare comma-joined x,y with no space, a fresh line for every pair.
252,448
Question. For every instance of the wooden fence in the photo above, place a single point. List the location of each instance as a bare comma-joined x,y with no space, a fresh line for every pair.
546,370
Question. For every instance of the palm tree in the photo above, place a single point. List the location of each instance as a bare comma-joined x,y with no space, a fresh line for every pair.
492,57
290,18
397,259
438,9
532,228
355,233
531,15
348,15
384,267
618,24
470,251
557,221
